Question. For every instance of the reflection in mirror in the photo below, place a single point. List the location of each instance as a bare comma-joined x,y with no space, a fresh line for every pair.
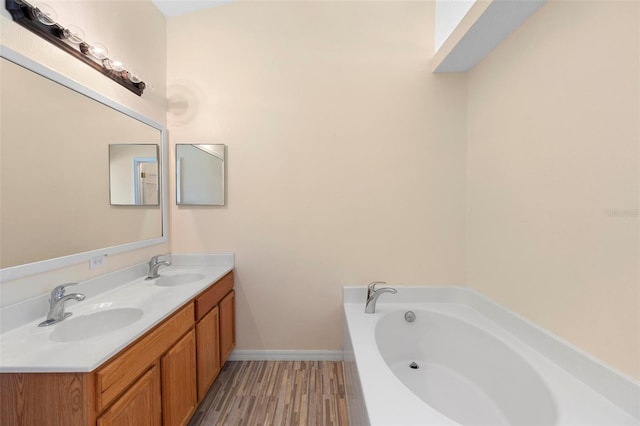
200,174
133,174
54,180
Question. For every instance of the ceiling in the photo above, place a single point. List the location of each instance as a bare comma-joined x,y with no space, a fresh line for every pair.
180,7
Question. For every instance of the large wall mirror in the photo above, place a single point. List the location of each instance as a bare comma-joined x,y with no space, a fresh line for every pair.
55,207
200,174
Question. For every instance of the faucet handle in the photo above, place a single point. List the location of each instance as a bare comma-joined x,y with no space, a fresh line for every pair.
372,285
371,288
58,291
154,259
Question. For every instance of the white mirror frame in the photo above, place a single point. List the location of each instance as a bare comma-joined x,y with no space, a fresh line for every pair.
19,271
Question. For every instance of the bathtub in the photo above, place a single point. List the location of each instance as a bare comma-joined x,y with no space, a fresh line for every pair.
467,361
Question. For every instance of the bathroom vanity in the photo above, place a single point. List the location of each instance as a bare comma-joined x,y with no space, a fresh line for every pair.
155,377
134,351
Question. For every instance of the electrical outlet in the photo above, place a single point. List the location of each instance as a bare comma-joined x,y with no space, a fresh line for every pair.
97,262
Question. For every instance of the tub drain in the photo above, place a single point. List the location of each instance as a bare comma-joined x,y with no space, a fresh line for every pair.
414,365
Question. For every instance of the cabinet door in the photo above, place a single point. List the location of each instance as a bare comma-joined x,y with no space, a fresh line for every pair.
227,326
139,405
179,381
118,374
207,351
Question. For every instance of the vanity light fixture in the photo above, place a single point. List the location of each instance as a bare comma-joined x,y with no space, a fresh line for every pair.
41,20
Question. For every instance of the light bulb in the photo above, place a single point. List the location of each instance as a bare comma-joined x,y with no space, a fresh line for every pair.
73,34
116,64
134,77
99,51
45,14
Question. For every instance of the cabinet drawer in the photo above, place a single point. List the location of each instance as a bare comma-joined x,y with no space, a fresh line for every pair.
213,295
114,378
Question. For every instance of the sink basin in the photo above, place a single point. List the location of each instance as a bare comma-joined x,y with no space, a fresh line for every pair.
95,324
178,279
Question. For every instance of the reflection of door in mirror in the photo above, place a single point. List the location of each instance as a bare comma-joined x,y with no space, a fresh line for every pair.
200,174
133,174
146,181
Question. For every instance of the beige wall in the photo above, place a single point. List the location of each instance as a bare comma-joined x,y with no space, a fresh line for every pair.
553,134
345,156
133,30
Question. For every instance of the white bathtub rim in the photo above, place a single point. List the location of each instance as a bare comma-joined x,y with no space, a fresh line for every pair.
575,402
614,386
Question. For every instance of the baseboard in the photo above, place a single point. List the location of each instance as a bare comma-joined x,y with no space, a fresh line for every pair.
284,355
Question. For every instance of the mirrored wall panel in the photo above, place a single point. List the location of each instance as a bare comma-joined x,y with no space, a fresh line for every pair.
54,173
200,174
134,175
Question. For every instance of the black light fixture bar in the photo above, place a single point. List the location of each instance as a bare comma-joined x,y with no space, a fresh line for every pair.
24,14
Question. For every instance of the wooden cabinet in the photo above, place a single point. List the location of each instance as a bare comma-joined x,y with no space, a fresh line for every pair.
227,326
157,380
208,351
213,295
215,331
179,397
139,405
46,399
118,373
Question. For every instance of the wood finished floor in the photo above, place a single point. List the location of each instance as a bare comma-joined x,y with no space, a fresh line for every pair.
275,393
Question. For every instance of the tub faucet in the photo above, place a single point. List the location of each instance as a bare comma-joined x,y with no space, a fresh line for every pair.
373,294
56,304
154,265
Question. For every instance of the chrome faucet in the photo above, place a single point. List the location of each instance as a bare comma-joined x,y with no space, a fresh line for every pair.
373,294
154,265
56,304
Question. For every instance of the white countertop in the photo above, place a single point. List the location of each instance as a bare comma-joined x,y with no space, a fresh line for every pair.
28,348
